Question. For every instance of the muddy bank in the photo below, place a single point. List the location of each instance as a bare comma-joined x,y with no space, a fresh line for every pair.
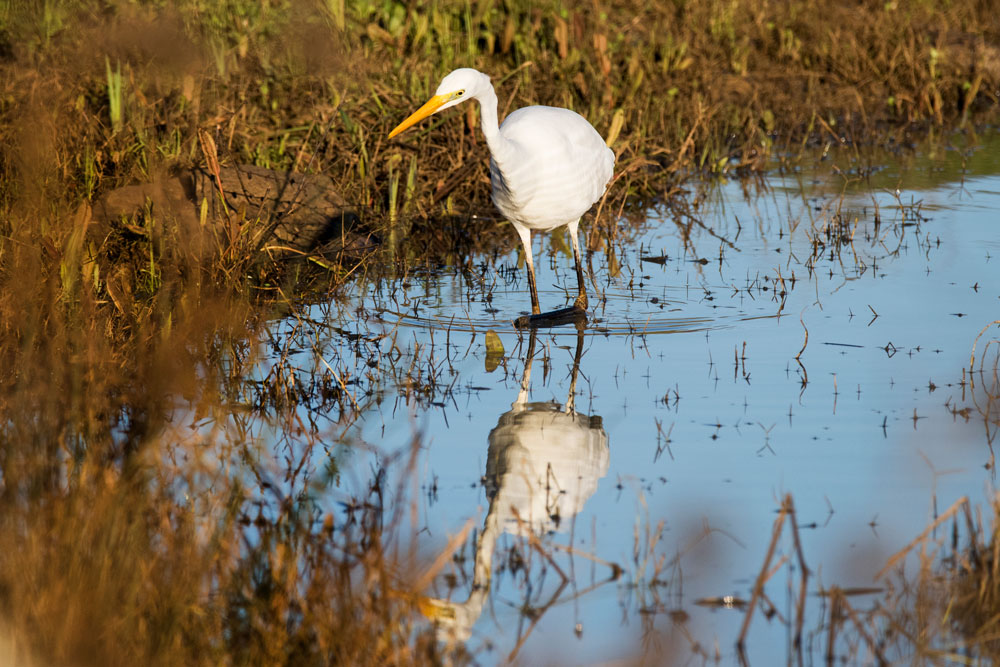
280,214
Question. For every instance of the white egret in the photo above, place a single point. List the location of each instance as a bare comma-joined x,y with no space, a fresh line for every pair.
547,166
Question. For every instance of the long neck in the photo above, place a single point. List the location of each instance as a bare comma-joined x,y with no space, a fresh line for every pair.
491,128
457,618
483,570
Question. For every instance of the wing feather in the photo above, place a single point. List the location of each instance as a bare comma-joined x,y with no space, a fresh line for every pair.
558,166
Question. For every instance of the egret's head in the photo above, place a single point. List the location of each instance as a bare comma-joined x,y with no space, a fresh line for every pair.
460,85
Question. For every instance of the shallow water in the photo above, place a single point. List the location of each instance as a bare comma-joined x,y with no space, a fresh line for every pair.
769,356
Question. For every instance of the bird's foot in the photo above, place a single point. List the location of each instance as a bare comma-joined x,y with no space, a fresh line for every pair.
553,318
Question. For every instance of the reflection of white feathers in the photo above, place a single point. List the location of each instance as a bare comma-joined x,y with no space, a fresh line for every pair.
545,464
542,465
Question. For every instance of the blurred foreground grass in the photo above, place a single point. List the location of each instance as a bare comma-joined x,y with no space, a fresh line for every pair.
146,514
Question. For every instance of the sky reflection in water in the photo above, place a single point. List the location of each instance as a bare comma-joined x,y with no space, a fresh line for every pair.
862,434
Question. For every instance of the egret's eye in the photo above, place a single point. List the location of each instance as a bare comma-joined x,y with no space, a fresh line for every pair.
460,93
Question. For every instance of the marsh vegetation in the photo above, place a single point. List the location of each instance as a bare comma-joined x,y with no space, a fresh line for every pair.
221,443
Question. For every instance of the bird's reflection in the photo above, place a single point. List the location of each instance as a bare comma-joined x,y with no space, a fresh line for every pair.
544,462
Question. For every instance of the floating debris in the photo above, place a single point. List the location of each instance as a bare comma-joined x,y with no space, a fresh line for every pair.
494,351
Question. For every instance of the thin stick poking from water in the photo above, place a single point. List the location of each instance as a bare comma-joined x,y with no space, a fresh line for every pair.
764,575
841,600
806,341
972,356
922,536
427,576
800,605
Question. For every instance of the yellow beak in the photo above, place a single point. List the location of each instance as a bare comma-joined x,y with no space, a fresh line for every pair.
432,105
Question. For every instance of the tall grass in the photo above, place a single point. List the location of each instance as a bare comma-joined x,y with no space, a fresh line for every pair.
683,86
114,95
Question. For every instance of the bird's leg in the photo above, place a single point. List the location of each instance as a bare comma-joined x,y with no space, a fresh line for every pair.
581,297
525,235
555,317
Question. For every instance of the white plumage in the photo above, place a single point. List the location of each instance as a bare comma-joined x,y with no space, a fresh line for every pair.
542,466
562,167
548,165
